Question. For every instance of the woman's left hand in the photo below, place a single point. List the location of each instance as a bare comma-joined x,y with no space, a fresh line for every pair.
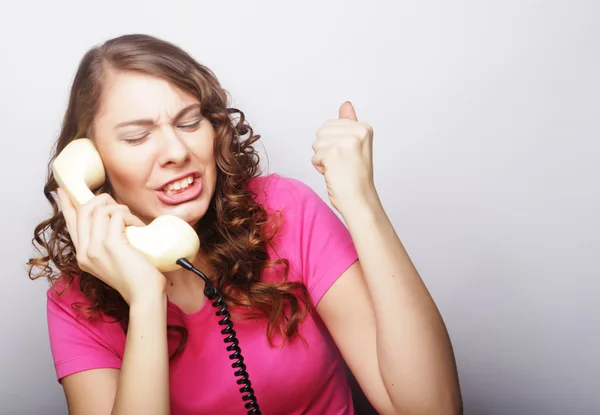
344,155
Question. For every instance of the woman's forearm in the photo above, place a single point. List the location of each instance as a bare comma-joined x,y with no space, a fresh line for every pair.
144,379
415,356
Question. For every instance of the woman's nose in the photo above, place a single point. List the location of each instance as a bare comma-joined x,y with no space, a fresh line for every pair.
173,149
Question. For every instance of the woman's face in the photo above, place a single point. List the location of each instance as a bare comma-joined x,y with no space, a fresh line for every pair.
156,147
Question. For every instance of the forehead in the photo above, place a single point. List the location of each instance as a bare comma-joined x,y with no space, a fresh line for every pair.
131,95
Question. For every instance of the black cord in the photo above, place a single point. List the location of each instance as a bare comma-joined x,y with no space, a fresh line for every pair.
212,293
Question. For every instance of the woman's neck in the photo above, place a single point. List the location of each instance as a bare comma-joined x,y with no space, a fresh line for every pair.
186,289
183,278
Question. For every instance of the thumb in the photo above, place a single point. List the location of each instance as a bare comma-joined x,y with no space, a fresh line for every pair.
347,111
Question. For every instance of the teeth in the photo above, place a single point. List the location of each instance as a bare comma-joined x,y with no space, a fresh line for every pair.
180,184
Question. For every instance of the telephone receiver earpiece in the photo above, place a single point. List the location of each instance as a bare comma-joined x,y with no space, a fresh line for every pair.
78,169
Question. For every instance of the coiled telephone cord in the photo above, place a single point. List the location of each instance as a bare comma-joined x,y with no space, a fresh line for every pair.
213,294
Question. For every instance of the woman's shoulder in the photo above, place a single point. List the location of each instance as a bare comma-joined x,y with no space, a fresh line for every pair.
277,191
65,293
69,319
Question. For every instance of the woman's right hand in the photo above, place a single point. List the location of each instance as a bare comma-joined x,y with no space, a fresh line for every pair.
97,230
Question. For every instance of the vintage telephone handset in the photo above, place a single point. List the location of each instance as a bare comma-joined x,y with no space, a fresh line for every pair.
168,242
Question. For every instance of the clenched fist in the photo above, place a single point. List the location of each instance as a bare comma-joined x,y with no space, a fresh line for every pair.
343,154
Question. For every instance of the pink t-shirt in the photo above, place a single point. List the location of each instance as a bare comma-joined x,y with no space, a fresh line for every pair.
296,379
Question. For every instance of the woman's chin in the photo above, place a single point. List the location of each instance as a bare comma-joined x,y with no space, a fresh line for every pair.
190,212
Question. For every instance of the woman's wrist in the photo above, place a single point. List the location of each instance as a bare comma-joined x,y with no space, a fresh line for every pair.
148,297
146,305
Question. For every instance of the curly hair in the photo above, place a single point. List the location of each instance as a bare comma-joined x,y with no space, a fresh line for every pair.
236,230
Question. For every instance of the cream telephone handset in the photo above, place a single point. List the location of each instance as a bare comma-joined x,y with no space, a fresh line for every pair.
168,242
79,168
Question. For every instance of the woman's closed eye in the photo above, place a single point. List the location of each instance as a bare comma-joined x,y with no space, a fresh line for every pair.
137,139
189,125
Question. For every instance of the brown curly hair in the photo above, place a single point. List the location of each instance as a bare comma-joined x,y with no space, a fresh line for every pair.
236,230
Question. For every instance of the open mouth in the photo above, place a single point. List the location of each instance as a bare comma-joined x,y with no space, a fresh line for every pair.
181,191
179,186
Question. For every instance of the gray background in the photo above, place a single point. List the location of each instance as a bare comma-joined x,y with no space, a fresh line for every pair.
486,147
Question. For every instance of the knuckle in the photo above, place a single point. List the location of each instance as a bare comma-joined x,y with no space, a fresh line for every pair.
108,244
82,261
119,216
320,141
93,252
115,209
104,197
112,210
365,129
97,211
98,200
95,208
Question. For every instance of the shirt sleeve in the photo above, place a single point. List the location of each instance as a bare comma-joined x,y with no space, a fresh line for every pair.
76,343
324,245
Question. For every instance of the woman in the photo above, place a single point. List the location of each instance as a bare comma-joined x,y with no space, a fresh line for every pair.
306,292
